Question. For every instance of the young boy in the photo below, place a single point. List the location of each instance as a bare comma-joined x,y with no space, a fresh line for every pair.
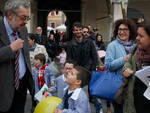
42,74
61,80
75,100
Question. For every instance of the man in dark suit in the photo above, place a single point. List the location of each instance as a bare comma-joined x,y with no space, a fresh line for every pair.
41,39
15,70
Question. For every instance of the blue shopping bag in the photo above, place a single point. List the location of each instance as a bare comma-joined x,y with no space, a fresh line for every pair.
105,84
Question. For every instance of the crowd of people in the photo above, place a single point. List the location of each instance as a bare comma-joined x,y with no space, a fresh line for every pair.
25,59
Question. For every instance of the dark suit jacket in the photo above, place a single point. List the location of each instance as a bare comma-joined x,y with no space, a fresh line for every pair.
7,89
41,39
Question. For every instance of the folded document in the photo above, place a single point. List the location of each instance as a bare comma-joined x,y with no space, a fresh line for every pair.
144,75
147,93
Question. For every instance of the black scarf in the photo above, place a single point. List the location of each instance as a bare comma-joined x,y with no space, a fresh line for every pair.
66,98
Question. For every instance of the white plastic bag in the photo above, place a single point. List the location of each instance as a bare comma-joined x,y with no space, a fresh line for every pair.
54,68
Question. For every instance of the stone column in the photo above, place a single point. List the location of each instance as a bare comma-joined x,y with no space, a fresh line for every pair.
33,15
117,6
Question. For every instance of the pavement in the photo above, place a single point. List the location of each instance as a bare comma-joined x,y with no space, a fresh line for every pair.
29,105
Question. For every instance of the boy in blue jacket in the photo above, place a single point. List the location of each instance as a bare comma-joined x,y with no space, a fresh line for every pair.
75,99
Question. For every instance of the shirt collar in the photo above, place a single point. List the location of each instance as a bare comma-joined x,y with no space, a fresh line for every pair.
8,28
75,94
63,77
66,88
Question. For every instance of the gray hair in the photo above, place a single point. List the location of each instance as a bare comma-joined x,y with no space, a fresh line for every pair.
13,5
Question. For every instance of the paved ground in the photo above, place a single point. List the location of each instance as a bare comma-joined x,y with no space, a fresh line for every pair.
28,105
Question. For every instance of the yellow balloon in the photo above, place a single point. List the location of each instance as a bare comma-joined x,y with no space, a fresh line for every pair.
48,105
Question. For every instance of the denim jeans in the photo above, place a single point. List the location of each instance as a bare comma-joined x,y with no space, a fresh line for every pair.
97,104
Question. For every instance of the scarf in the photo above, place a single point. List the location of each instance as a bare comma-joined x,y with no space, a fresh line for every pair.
142,58
33,47
127,45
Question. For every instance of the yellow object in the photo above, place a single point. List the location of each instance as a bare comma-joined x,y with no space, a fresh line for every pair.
48,105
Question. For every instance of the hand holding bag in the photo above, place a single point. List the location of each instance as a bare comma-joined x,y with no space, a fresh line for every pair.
105,84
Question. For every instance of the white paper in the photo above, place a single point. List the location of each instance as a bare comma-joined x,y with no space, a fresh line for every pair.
39,95
144,75
147,93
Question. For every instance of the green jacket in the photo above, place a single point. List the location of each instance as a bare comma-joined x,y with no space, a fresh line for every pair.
128,106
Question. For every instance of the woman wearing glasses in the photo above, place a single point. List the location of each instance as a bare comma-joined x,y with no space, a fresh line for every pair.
118,51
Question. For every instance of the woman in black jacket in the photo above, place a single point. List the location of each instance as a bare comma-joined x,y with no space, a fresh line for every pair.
99,43
51,47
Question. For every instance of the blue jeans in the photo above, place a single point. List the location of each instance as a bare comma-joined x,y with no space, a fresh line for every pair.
97,104
108,103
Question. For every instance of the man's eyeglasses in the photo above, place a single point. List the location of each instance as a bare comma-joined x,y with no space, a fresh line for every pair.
23,17
123,29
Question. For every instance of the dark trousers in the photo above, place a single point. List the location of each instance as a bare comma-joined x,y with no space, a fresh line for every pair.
142,104
118,108
19,100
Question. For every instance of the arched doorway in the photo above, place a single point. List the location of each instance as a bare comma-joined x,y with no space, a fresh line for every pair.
72,10
56,23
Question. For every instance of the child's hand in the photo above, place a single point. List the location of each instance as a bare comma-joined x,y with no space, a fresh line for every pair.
57,57
52,83
101,67
58,111
50,90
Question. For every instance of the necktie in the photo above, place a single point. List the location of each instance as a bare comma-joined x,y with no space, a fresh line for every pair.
16,65
66,98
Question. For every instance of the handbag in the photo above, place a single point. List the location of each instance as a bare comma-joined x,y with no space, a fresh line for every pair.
105,84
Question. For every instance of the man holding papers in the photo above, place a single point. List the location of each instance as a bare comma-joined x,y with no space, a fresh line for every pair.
135,72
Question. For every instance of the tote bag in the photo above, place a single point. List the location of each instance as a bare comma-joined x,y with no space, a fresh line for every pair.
105,84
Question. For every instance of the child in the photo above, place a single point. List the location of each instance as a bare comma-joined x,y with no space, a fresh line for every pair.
61,80
62,56
42,74
75,100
